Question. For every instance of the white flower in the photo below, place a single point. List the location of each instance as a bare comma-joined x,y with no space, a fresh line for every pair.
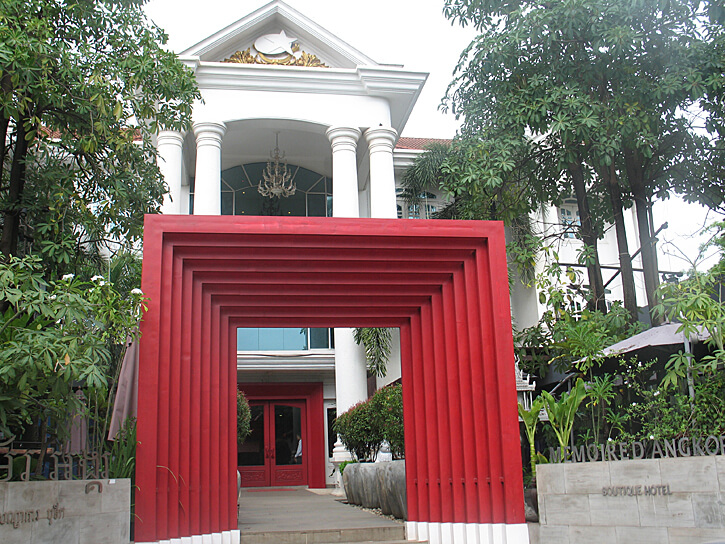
651,437
68,277
634,404
102,283
656,393
96,278
136,291
52,297
610,439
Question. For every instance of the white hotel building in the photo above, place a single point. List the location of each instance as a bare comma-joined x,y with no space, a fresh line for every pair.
276,81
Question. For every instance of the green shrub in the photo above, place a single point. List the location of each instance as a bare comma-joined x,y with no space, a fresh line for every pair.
387,410
358,433
363,427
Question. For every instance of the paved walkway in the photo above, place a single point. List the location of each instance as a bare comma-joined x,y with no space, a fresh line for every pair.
280,510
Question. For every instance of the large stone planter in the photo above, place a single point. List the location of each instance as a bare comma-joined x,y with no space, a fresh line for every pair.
377,485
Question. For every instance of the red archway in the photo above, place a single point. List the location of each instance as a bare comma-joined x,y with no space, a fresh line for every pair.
444,283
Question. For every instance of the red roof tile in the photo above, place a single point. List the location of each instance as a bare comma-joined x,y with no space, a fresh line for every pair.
419,143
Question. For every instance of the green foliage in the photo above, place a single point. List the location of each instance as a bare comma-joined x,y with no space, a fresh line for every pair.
377,342
244,417
697,304
649,411
84,87
531,419
341,466
601,393
569,336
563,412
123,451
363,427
358,432
387,413
54,334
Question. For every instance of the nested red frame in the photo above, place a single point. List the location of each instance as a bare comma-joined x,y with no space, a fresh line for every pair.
443,283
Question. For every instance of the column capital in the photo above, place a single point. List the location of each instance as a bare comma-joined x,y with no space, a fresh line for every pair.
209,133
381,139
343,138
170,137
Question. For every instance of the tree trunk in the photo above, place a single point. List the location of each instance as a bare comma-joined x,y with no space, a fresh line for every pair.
43,443
4,120
635,175
11,224
589,237
625,260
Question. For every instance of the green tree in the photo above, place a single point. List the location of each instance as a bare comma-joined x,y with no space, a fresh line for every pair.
83,87
600,87
377,342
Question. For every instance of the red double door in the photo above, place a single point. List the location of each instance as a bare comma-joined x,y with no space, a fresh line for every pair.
274,453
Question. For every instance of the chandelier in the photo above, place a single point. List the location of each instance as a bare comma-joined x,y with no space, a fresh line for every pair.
277,180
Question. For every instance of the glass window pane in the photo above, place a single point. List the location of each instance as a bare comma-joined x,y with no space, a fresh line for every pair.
271,339
331,436
227,203
251,451
316,205
319,338
247,339
295,339
287,435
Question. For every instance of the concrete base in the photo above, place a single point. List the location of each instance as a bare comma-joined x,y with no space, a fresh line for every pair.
225,537
467,533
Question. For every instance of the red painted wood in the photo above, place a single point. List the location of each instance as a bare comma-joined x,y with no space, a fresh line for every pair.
506,381
421,430
409,421
442,282
454,405
445,444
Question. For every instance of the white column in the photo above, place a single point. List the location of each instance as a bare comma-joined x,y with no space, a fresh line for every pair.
169,146
350,367
351,382
381,141
208,180
344,171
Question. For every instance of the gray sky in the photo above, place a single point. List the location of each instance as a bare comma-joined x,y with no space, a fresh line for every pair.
413,33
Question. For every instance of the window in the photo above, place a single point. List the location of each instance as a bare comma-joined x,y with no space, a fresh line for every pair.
426,207
313,197
283,339
569,218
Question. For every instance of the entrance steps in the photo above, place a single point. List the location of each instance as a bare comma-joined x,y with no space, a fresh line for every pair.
303,516
369,535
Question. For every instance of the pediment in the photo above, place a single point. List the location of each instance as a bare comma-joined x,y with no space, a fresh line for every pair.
278,34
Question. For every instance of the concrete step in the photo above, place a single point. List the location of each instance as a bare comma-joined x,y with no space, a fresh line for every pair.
367,535
389,542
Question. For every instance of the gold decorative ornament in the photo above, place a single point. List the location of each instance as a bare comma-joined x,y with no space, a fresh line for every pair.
247,57
277,49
